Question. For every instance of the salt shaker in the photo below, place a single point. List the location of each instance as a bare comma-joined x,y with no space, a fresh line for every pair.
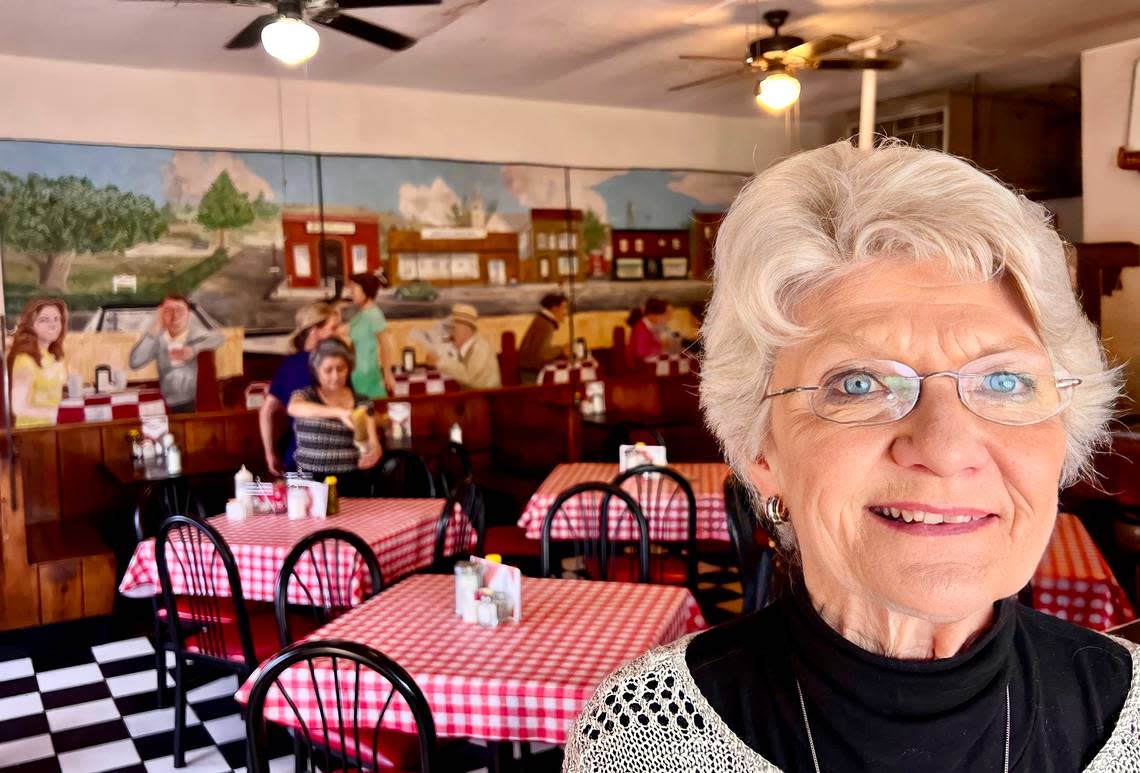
466,586
488,614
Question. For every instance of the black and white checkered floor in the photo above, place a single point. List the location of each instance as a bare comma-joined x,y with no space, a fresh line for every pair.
76,707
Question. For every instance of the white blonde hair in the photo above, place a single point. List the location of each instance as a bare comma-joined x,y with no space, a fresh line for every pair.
818,215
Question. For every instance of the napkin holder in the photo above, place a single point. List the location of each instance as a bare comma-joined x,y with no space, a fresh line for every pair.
504,578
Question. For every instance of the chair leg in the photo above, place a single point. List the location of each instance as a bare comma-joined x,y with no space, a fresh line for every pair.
159,663
179,711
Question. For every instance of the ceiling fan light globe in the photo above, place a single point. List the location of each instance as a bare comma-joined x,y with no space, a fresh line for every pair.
778,91
290,40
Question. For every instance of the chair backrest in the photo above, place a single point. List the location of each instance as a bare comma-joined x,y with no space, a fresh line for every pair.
212,590
660,492
749,542
596,523
619,356
159,501
626,433
454,467
323,570
337,720
463,519
508,359
402,474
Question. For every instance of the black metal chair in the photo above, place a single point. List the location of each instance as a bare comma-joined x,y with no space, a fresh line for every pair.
659,490
454,465
322,569
754,558
336,732
156,503
585,519
402,474
211,624
627,433
463,515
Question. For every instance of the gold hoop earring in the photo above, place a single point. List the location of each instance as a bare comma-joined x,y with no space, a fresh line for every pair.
775,510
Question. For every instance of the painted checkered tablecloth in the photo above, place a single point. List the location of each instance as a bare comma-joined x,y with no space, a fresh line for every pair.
523,681
707,480
400,531
561,372
663,365
423,381
1074,583
127,404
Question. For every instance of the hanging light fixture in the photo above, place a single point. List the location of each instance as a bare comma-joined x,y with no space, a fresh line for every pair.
290,40
778,91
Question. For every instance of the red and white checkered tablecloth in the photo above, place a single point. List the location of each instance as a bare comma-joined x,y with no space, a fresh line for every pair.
1074,583
663,365
670,525
127,404
562,371
424,381
400,531
523,681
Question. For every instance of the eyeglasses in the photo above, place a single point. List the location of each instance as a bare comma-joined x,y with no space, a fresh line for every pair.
1012,388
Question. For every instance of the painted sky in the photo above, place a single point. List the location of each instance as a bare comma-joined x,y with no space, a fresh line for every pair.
420,188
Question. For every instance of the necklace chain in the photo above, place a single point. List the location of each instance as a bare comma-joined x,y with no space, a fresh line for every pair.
811,741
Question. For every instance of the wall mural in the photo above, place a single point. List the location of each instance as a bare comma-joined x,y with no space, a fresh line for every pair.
250,237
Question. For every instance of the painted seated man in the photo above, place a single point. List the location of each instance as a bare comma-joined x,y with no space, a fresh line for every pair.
477,366
173,342
536,349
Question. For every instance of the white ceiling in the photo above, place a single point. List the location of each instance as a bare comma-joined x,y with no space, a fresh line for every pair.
608,52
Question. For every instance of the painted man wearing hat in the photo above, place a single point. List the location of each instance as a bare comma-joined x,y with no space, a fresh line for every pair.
478,365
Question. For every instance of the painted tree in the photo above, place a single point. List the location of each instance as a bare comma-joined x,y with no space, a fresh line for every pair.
54,220
263,208
223,207
593,231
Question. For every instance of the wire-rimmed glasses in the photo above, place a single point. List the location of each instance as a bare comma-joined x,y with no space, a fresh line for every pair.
1012,388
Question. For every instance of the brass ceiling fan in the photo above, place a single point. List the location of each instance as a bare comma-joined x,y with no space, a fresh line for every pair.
780,56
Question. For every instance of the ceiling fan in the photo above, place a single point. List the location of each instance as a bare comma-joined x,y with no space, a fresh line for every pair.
287,36
780,56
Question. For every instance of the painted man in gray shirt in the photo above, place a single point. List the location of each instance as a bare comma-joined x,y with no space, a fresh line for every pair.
172,342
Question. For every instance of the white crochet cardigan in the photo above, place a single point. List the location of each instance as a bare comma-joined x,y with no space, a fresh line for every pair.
650,717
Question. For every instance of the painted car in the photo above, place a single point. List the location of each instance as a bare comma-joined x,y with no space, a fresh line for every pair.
135,318
417,290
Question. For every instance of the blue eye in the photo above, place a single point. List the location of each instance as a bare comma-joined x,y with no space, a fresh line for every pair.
1004,383
858,384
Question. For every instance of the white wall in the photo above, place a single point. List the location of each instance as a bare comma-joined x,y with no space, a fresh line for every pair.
1112,195
70,101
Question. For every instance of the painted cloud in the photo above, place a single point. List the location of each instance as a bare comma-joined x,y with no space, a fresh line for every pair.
545,187
428,204
709,188
190,172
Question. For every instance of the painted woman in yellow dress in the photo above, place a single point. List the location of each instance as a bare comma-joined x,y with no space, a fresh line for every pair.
35,363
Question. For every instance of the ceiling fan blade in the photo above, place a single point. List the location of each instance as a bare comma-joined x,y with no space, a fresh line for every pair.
698,58
712,79
853,64
250,35
373,33
814,49
351,4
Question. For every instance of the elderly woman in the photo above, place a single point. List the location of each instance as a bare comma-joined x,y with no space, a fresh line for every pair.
335,432
896,364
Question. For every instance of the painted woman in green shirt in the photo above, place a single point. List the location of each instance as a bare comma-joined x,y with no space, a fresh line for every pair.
371,339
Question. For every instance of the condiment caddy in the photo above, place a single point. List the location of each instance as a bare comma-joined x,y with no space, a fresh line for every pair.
487,591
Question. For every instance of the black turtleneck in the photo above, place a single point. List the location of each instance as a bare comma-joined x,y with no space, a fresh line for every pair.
868,712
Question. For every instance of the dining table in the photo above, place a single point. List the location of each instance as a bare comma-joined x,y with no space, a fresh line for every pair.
401,532
1074,582
518,681
668,517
